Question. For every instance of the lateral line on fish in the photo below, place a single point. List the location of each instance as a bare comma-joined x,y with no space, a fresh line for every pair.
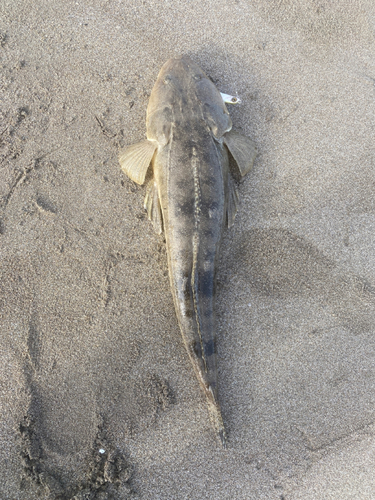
194,281
170,149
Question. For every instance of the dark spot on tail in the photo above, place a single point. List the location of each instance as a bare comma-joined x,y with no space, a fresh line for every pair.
196,348
188,313
209,348
206,283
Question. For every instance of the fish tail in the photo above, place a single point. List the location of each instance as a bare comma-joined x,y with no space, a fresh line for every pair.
216,418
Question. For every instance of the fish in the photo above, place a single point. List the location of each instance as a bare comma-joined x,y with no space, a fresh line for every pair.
191,196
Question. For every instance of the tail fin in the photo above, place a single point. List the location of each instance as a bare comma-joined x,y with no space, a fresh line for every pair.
215,416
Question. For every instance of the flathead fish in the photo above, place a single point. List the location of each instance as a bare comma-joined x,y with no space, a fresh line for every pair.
192,197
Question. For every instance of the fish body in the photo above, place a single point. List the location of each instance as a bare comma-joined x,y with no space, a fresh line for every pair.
191,196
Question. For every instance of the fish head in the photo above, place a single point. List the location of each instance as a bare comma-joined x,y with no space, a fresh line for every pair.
182,88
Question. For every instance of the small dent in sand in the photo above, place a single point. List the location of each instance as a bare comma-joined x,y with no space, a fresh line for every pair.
44,205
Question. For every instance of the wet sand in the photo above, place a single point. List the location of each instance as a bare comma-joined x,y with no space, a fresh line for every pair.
98,399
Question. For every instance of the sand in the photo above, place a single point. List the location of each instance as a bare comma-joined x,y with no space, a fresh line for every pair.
98,399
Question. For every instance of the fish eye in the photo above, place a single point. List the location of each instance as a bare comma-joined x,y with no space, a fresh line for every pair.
197,77
167,79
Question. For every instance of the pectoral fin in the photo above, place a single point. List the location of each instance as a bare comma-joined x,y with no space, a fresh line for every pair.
135,160
152,205
242,149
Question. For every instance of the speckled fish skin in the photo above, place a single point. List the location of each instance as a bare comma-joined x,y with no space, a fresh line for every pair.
189,171
189,197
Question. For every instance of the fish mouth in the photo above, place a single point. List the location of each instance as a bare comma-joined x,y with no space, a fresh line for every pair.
182,64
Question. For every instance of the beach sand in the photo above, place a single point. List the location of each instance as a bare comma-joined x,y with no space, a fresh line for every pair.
98,399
